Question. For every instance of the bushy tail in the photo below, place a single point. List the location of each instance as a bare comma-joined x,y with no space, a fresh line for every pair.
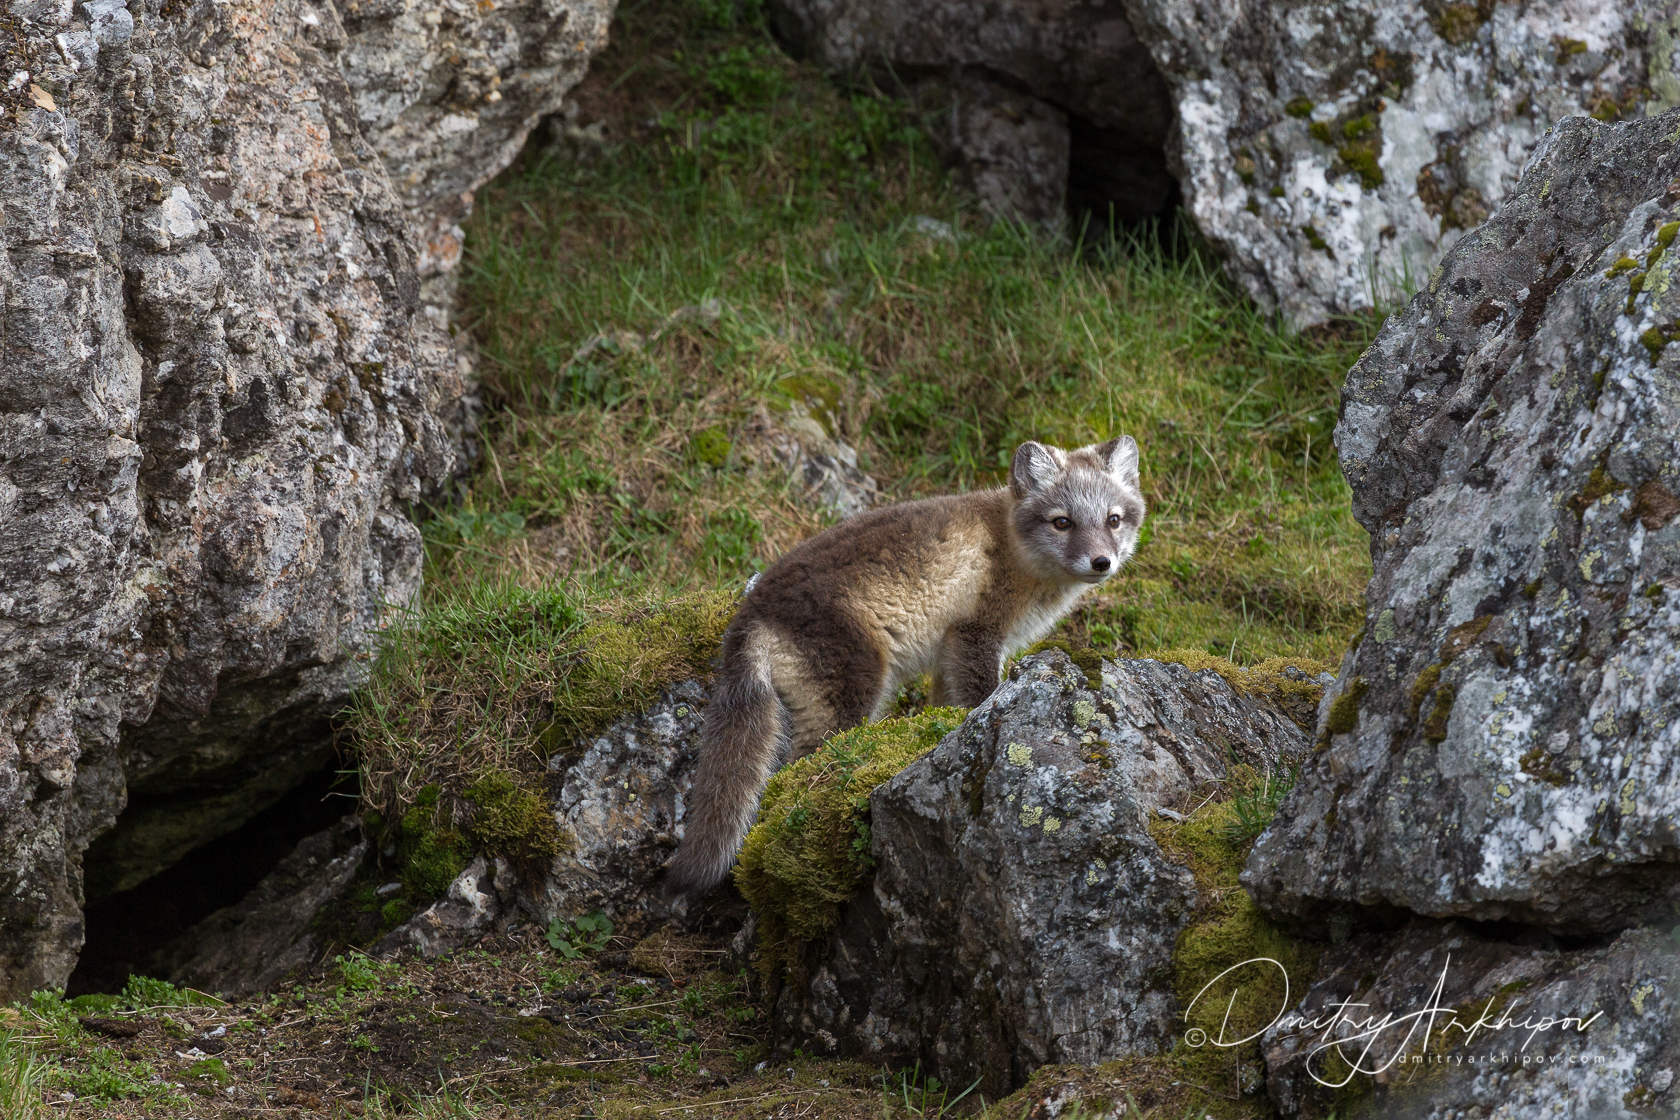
740,747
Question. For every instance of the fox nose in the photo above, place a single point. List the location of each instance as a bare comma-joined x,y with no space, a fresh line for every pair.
1100,563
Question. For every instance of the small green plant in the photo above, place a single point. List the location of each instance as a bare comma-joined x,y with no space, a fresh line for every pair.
559,979
1254,806
924,1097
22,1077
588,934
210,1070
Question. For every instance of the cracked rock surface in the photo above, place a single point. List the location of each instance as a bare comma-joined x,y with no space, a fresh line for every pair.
1021,913
1501,743
221,388
1524,1029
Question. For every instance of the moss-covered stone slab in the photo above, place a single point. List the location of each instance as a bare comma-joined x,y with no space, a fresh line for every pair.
1021,910
1501,742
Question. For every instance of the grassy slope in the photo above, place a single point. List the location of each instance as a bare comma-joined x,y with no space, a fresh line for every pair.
729,173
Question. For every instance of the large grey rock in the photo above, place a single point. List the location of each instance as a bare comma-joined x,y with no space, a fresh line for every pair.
1021,912
1425,113
1500,743
1517,1031
219,394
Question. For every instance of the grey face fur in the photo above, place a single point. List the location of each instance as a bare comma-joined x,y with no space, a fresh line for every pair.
1078,512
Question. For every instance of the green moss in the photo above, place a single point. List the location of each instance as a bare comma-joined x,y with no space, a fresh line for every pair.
820,396
620,664
515,822
1538,764
1425,681
1228,930
1568,48
1343,716
1461,637
1360,126
1654,340
1362,161
1623,264
1599,483
1276,192
809,851
1316,240
1435,727
711,447
1457,23
1300,107
1320,131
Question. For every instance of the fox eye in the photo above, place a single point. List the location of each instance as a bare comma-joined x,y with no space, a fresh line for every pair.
1062,524
1114,521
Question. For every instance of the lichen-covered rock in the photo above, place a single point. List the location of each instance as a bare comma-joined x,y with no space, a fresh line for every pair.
256,942
1517,1030
621,799
1333,152
824,468
1500,743
219,394
1021,912
469,909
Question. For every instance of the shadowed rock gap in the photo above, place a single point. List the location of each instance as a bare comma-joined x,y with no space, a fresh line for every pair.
126,930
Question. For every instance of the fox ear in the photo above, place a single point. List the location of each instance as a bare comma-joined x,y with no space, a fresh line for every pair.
1035,467
1120,456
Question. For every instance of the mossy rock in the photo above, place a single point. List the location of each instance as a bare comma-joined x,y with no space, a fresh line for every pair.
1227,930
1298,699
515,822
809,852
620,664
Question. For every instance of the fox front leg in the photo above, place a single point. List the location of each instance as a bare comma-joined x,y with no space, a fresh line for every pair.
970,658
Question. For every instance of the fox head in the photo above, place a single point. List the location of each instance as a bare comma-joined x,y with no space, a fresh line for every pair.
1077,513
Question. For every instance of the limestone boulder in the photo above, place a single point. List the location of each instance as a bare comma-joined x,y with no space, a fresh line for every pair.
1021,912
221,390
1332,153
1499,745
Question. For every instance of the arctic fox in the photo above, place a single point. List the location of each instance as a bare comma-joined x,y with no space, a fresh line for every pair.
946,586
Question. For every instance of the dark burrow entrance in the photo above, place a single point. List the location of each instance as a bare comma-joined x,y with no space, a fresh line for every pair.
126,930
1119,183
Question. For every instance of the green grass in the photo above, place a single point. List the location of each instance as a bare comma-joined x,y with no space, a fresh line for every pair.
745,183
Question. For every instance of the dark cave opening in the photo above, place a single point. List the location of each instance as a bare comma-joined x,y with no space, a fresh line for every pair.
127,930
1120,187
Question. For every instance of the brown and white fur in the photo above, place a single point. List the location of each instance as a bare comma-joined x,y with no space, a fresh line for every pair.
947,586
